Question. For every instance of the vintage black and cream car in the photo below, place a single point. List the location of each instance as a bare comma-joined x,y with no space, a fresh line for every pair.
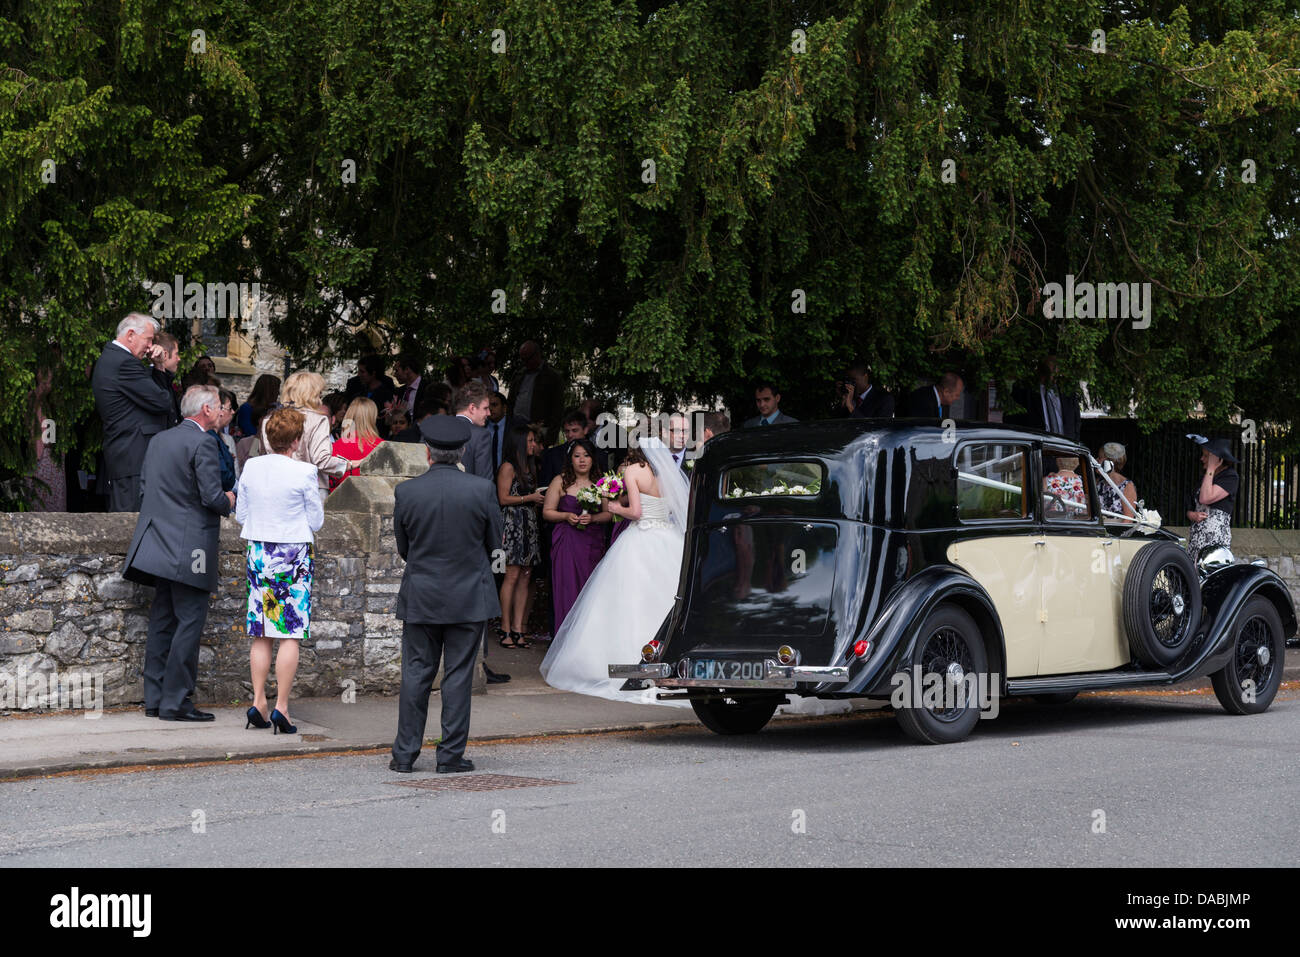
929,568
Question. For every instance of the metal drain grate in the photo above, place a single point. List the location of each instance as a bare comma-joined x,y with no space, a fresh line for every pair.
476,782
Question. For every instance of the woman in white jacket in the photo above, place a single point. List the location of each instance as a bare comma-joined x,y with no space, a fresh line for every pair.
278,503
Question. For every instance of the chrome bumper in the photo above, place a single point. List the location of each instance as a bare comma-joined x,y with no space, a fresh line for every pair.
775,675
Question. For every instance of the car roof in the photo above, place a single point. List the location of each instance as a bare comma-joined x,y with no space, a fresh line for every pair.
832,438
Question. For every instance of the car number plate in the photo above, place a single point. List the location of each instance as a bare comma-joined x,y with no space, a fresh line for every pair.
715,669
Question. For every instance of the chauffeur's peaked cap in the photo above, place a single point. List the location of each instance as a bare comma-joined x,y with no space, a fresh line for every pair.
445,431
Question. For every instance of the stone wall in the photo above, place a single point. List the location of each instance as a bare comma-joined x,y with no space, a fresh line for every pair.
66,609
67,613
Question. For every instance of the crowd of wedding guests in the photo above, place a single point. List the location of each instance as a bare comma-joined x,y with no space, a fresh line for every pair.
273,459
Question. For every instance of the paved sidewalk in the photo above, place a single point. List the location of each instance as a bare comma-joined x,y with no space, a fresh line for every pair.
39,744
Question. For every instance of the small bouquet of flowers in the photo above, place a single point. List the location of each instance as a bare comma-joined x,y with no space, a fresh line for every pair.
589,499
610,485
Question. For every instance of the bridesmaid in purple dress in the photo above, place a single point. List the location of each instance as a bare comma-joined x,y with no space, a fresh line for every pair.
578,537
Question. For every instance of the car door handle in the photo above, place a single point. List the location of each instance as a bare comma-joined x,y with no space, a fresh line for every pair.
1040,543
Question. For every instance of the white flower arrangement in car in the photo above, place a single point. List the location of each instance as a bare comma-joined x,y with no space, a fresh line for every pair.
779,489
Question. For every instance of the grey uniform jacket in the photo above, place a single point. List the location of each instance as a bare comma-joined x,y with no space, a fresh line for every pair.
133,406
447,523
176,536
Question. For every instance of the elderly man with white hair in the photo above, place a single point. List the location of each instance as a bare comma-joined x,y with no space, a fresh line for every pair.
174,549
133,406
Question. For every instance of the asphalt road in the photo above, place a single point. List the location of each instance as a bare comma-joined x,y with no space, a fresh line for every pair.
1140,779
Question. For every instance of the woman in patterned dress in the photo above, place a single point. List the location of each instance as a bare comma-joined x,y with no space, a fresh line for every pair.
1066,485
279,506
519,498
1112,456
1212,503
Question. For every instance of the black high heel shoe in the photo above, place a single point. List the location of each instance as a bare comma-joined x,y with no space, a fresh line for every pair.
282,723
255,720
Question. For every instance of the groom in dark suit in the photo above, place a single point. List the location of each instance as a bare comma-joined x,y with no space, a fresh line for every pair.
175,549
447,523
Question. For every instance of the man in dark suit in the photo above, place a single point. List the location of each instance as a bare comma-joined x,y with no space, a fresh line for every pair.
500,423
133,407
863,400
164,372
935,401
767,398
675,434
447,523
557,456
538,391
471,404
1046,407
175,549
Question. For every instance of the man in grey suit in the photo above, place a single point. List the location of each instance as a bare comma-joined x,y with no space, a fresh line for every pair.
133,406
447,523
767,397
175,549
471,404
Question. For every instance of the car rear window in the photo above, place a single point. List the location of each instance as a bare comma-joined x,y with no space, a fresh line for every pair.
774,480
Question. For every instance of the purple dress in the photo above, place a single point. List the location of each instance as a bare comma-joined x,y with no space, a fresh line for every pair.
575,550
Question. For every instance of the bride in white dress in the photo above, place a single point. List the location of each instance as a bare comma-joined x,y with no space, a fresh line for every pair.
632,590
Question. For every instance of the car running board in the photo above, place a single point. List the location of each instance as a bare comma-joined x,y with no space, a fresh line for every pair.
1052,684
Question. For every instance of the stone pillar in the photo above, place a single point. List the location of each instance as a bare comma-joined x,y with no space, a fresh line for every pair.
372,492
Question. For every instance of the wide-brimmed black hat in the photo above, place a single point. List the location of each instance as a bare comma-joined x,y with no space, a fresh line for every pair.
445,431
1220,447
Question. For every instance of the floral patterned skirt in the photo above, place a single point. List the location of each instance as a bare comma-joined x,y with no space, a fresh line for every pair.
279,589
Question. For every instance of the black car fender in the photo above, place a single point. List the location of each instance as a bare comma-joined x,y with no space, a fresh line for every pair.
896,630
1224,593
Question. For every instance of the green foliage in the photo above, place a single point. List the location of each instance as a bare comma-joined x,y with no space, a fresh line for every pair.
777,167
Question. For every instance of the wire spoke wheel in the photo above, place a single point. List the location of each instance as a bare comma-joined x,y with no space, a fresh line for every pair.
1161,604
1170,602
947,656
1249,681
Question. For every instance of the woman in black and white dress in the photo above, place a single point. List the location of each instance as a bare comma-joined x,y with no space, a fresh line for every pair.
1211,511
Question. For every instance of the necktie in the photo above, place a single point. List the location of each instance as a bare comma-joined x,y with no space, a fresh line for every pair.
764,422
496,446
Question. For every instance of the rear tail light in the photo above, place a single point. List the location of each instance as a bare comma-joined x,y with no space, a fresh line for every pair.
861,648
650,651
786,655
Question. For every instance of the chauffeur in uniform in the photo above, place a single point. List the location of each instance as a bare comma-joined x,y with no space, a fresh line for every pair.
447,523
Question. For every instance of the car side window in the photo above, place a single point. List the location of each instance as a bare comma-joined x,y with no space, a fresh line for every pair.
991,481
1066,487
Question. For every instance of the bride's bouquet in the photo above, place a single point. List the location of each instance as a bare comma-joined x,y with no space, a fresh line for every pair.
610,485
590,498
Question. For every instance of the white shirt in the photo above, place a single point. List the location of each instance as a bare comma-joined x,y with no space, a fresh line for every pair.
123,348
410,396
277,499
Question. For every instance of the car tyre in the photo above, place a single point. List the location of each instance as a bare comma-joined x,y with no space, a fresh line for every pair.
948,636
740,715
1249,681
1162,604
